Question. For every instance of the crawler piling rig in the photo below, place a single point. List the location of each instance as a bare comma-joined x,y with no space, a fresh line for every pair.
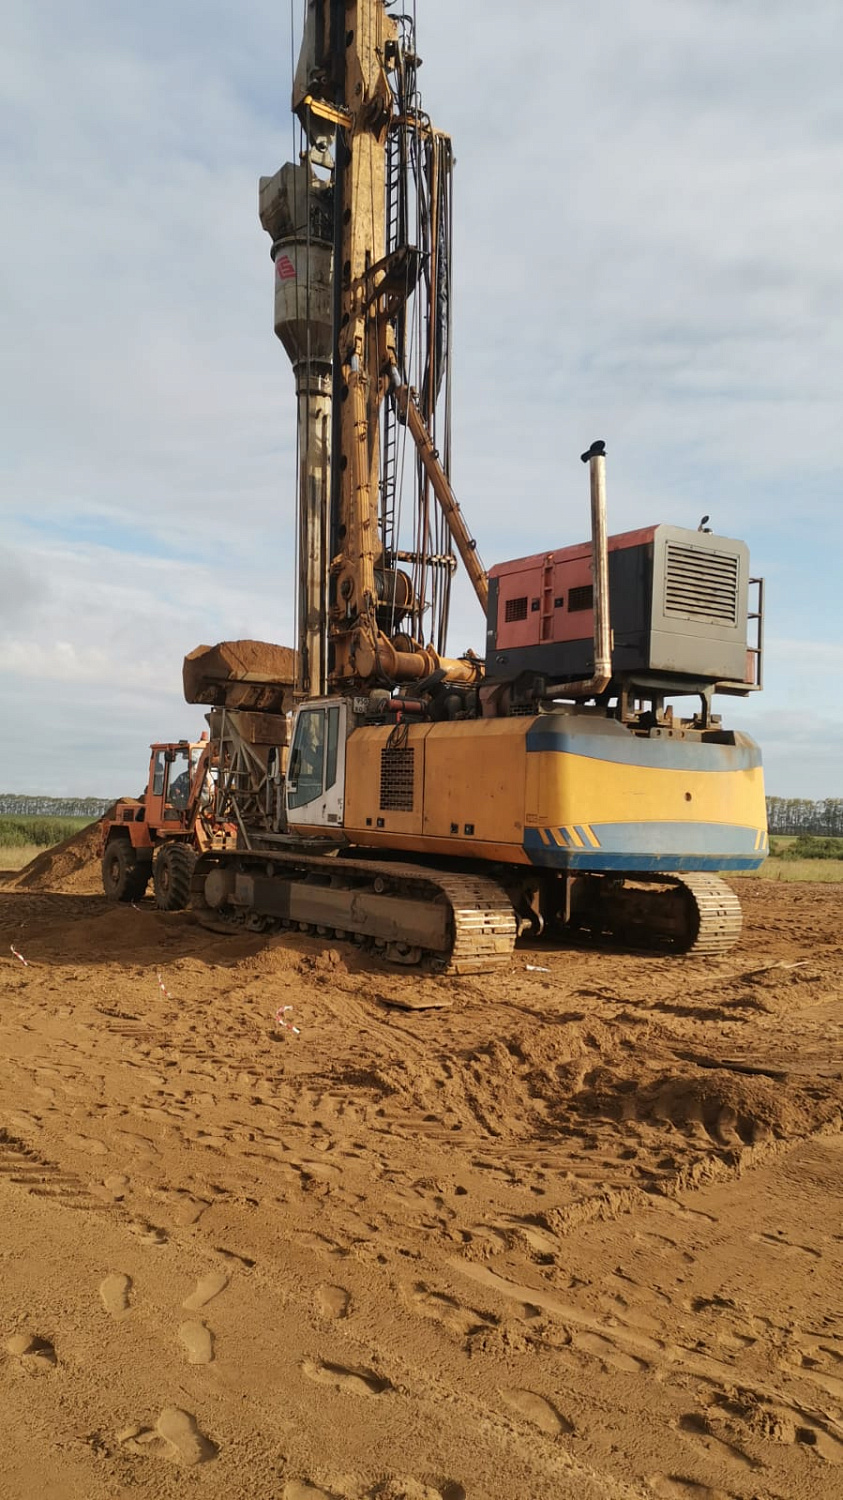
437,806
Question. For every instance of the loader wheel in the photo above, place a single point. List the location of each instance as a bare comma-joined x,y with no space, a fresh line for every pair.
124,876
172,876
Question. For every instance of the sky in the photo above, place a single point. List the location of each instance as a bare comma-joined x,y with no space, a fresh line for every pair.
648,231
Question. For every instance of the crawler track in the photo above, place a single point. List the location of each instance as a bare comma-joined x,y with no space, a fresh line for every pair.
455,922
694,914
719,918
459,923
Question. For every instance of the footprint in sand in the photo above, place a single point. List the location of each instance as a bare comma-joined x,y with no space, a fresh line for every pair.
609,1354
149,1234
208,1287
457,1319
175,1437
538,1411
830,1383
180,1430
358,1382
114,1293
87,1143
311,1241
198,1341
618,1306
302,1489
696,1429
37,1355
415,1489
674,1487
334,1301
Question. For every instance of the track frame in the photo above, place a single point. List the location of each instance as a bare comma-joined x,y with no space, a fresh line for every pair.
457,921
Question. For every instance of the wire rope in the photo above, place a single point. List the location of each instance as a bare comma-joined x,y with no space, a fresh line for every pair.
297,600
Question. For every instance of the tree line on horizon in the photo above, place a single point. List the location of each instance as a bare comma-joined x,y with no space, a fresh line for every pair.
15,805
799,815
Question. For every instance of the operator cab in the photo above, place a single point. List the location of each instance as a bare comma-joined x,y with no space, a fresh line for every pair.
172,774
315,788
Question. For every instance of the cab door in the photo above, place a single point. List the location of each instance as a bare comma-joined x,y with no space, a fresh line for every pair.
168,788
315,786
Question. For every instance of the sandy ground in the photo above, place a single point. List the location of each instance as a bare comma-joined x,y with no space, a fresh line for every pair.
577,1233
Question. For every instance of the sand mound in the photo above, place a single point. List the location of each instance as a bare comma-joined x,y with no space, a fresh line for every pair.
69,868
727,1106
509,1086
581,1073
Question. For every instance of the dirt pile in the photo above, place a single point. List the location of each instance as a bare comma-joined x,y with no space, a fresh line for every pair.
509,1086
730,1107
70,868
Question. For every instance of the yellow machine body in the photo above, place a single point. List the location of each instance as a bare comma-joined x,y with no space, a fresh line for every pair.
559,791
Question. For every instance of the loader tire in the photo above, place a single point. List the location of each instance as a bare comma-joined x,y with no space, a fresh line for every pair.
124,876
172,876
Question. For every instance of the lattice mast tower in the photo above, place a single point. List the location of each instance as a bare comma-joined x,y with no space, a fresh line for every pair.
358,310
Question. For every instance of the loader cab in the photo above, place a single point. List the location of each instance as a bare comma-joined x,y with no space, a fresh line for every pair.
169,783
315,787
173,770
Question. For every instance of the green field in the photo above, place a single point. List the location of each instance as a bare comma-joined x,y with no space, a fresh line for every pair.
810,857
37,832
798,858
807,846
824,871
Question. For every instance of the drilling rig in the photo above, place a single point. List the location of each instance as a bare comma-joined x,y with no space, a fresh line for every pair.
439,807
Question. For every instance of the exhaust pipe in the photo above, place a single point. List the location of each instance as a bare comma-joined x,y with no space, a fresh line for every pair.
602,676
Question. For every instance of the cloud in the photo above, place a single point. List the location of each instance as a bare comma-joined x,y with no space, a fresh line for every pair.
21,592
801,750
647,251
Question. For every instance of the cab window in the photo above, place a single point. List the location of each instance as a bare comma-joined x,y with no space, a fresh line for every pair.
178,782
307,758
312,767
158,772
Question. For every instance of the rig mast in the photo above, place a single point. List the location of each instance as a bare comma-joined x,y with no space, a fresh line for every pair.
360,232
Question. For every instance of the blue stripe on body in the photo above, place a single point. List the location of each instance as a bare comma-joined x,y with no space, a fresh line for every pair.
652,847
625,749
677,838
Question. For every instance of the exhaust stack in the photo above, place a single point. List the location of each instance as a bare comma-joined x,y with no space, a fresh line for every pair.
595,457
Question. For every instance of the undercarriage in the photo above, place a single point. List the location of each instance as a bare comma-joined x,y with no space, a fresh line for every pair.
458,920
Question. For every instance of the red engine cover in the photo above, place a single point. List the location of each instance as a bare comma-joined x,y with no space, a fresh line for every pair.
548,597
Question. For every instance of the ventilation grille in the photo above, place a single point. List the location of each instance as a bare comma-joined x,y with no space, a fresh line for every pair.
581,598
515,609
397,776
701,585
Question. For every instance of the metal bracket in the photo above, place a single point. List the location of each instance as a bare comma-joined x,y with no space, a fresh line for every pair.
391,279
335,113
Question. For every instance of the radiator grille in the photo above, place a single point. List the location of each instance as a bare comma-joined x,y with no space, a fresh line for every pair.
515,609
397,776
701,585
